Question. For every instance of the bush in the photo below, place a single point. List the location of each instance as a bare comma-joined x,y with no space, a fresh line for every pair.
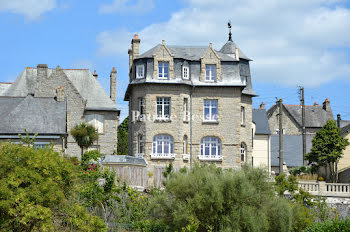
336,225
213,199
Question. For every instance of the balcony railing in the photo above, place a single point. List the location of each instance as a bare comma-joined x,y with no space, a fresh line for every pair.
210,157
162,156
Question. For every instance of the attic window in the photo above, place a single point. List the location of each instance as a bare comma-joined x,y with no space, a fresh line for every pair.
163,70
185,72
140,71
210,72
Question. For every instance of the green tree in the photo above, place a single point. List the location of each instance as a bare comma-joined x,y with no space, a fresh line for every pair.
212,199
327,148
123,137
85,135
39,191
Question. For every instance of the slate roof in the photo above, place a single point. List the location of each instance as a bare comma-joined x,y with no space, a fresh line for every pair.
86,84
315,116
345,130
37,115
124,159
261,122
292,149
344,123
195,53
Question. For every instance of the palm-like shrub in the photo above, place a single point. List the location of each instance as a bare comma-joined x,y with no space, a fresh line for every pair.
85,135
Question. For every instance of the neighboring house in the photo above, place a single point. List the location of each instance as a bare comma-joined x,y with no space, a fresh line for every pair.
169,84
315,117
262,140
85,97
344,162
45,117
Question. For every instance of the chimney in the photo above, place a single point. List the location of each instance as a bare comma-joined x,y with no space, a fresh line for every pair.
113,84
135,48
262,106
315,104
327,105
41,71
60,94
338,120
130,58
95,75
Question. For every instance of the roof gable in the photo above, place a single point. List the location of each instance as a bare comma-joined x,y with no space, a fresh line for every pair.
261,122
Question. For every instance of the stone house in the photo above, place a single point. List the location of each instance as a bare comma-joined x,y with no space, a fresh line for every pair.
187,100
85,99
45,117
262,140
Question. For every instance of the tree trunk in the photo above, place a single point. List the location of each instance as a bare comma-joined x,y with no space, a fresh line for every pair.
82,152
336,172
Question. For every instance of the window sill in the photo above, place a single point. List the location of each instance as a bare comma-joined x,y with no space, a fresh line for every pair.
210,158
138,78
242,125
185,121
210,122
210,81
163,156
162,120
139,155
186,157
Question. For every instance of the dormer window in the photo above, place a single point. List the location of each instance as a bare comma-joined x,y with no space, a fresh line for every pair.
185,72
210,72
140,71
163,70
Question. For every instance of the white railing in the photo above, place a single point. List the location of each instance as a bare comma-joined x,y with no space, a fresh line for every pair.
322,188
338,188
162,156
309,186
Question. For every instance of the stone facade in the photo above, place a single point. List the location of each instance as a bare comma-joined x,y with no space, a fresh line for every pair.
290,127
187,95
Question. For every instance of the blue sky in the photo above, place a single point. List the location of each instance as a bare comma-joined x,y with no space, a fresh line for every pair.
292,43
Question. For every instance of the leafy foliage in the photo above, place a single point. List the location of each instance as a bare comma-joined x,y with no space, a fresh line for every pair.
123,137
336,225
219,200
39,191
327,148
85,135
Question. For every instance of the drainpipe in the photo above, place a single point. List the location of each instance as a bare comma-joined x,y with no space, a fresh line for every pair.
191,156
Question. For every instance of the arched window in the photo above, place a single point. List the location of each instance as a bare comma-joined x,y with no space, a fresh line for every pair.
163,146
243,152
210,147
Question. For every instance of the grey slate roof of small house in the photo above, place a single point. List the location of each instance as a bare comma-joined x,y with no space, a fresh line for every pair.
292,149
344,123
345,130
86,84
37,115
124,159
261,122
4,86
196,52
315,116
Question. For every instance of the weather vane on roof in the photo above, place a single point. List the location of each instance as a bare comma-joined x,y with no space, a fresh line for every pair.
229,27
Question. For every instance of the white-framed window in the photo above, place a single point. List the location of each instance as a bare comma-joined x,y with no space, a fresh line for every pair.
163,70
41,145
278,131
185,109
210,110
210,147
140,71
243,152
185,72
242,115
141,105
185,145
140,144
210,72
163,107
163,146
97,121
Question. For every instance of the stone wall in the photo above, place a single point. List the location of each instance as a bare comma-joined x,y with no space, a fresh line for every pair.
289,126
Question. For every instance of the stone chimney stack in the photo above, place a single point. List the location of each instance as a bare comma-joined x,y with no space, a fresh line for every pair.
130,58
95,75
41,72
113,84
236,53
327,105
60,94
315,104
135,47
338,120
262,106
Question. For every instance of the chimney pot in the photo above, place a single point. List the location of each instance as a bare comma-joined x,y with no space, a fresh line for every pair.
60,94
327,105
95,75
338,120
315,104
262,105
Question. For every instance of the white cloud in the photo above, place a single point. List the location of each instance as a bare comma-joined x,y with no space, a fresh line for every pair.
291,42
127,6
30,9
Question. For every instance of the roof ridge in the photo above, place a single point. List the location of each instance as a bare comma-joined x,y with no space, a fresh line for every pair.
6,82
55,68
